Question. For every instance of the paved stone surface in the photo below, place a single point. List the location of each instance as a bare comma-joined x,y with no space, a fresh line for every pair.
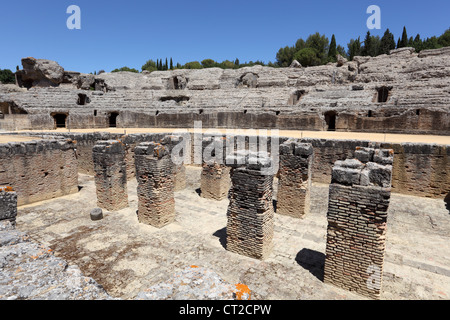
126,257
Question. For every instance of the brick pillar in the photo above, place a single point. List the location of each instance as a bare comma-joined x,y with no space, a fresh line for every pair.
8,204
110,175
155,173
294,184
215,179
250,212
359,198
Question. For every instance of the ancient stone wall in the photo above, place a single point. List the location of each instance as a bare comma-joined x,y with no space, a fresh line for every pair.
8,204
39,170
294,178
359,198
155,173
110,174
250,214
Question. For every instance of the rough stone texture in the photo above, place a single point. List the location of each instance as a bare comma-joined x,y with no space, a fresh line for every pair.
8,204
110,174
39,73
258,97
359,198
180,177
39,170
215,179
193,283
155,173
294,178
31,271
250,211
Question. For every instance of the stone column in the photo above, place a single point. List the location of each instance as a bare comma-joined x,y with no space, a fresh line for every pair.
110,175
155,173
294,180
357,213
8,204
215,179
250,212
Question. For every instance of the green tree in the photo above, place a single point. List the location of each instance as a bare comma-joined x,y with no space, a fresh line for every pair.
444,39
7,76
354,48
285,56
332,51
321,44
418,43
192,65
236,63
166,65
125,69
226,64
208,63
171,64
150,65
308,57
387,42
404,41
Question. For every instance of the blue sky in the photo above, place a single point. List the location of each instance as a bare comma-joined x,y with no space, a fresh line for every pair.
127,33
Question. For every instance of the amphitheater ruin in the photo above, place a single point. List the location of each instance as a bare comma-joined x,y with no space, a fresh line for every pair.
329,182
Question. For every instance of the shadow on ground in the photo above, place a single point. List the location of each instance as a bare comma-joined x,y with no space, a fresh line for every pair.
222,235
313,261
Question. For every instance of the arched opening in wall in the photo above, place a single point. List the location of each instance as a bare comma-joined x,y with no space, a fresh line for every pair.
447,202
83,99
370,114
113,119
330,119
296,97
417,112
383,94
60,120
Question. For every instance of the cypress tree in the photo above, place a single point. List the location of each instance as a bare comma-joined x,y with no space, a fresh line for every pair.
332,51
367,45
171,64
387,42
166,65
404,41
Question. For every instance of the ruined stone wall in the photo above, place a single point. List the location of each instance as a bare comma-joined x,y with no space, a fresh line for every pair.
8,204
155,173
110,174
250,213
294,178
39,170
359,198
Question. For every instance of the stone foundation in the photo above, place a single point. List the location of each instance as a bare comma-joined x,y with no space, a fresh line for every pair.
250,214
359,198
110,174
294,178
39,170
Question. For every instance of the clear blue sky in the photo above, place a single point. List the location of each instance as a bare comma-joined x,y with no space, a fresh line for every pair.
127,33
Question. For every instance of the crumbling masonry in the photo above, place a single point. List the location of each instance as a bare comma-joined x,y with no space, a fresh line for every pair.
215,179
250,214
110,174
8,204
295,175
155,173
359,198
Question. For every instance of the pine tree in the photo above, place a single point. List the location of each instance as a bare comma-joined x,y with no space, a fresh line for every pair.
166,65
387,42
171,64
398,43
367,45
332,51
354,48
236,63
418,44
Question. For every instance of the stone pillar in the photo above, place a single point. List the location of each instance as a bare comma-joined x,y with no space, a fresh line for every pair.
294,180
8,204
357,212
250,212
155,173
110,175
215,179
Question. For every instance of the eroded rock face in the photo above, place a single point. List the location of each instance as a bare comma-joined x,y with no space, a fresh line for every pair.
40,73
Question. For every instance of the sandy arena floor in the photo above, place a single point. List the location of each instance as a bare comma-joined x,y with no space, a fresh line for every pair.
379,137
126,257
